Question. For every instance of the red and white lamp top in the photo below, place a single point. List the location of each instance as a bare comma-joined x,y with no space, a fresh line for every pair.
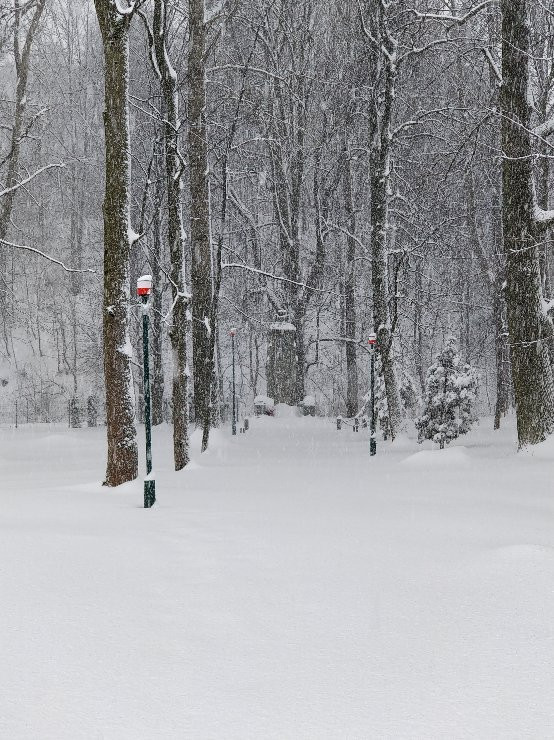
144,285
372,339
232,332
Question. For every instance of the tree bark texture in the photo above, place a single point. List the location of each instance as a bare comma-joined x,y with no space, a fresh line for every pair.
122,463
528,333
281,364
200,234
173,169
158,385
350,290
380,164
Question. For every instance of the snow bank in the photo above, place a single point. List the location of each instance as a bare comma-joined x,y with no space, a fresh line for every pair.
450,456
542,451
278,326
284,411
265,400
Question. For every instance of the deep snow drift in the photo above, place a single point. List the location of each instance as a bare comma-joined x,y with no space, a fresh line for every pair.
285,586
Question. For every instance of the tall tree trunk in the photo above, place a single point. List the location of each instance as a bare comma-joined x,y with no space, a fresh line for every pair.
531,368
380,178
501,355
298,294
287,156
350,288
201,248
156,315
120,409
418,320
501,347
173,168
492,267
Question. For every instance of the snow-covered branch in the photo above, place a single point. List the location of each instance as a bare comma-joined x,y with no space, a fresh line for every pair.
31,177
543,218
123,9
452,19
178,295
545,129
215,11
48,257
240,67
365,30
279,278
493,65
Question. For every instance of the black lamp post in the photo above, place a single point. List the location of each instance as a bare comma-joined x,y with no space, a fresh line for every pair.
144,291
232,333
372,341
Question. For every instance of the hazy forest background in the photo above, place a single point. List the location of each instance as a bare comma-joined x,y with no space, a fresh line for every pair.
334,165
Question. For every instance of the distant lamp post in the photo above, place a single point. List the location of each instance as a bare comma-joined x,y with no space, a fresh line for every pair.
144,291
372,341
232,333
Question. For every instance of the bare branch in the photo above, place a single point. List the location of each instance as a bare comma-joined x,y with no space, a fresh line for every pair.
280,278
31,177
38,252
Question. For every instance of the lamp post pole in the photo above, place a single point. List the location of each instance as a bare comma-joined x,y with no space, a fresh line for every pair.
232,332
372,341
144,291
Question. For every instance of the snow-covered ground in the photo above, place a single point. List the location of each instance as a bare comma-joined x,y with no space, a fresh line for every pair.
285,586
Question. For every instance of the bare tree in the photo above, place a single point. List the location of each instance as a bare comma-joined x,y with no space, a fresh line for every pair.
22,125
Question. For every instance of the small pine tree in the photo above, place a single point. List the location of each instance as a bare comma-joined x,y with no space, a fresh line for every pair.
408,394
92,411
450,393
74,413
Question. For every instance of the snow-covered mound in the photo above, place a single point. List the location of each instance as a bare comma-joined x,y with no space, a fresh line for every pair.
542,451
284,411
449,457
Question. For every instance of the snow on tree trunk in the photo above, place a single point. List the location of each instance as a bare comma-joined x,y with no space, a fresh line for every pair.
380,163
200,235
529,330
173,168
122,463
156,325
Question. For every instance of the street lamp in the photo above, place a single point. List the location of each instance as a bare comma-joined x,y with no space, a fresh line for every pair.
232,333
144,291
372,341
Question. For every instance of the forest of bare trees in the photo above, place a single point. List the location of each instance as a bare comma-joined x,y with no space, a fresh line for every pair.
335,167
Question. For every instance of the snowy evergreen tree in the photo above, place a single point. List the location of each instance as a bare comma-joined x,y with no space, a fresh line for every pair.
408,394
450,393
